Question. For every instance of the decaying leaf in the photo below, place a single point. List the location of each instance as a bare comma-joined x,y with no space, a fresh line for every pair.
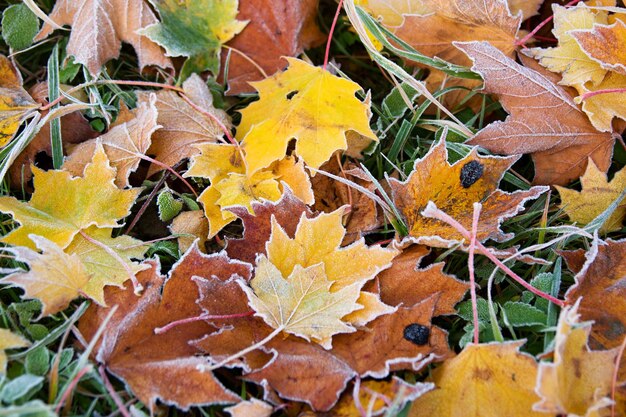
258,226
99,28
15,102
304,103
596,196
196,30
283,27
486,380
149,362
600,283
544,121
405,339
604,44
404,283
578,382
454,189
302,303
330,194
125,144
90,200
183,126
568,58
55,278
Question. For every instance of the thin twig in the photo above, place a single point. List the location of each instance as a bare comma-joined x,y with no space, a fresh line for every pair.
201,317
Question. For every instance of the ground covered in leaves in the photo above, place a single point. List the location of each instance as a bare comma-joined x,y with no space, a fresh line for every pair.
313,208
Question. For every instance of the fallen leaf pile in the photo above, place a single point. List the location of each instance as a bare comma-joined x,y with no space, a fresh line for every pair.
254,234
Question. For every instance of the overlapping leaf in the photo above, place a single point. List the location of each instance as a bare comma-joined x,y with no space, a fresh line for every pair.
15,102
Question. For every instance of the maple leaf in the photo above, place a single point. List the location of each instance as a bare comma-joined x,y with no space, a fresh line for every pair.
331,194
560,140
404,339
472,380
528,8
183,126
97,259
378,397
604,44
296,369
568,58
302,303
9,340
287,211
125,144
603,108
149,362
15,102
600,283
596,196
231,186
304,103
454,189
579,380
318,240
283,27
392,12
404,283
55,278
99,28
90,200
196,30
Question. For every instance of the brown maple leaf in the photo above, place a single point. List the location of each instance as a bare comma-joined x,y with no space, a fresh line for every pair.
405,339
258,226
331,194
275,28
544,121
602,285
99,28
149,362
404,283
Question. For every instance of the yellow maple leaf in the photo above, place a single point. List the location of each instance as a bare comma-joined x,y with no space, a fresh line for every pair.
9,340
102,267
391,12
596,196
15,102
55,278
602,108
224,166
305,103
578,382
318,240
62,205
302,302
486,380
567,58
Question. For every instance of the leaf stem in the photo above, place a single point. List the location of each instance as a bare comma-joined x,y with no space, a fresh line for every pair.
330,34
116,398
171,325
525,39
433,212
470,267
246,350
590,94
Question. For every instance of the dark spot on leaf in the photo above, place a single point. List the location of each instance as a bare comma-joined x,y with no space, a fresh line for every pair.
471,172
416,333
483,373
291,94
